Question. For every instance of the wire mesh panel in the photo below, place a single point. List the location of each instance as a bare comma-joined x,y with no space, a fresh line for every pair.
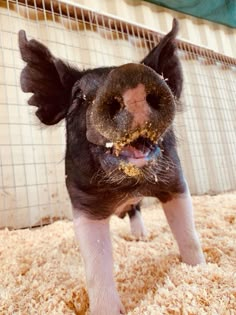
32,189
207,146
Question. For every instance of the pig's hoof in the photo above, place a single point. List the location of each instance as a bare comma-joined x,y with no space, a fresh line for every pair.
108,307
108,312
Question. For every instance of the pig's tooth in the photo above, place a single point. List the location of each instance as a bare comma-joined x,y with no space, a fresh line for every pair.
109,144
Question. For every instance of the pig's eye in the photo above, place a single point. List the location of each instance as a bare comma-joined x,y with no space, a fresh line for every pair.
114,107
153,100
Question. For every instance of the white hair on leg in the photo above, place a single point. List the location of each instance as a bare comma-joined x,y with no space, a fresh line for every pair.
96,249
179,214
137,225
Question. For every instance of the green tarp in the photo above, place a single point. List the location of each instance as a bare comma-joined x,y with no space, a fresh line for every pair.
219,11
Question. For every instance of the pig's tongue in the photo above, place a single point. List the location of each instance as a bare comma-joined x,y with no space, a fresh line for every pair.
135,156
134,153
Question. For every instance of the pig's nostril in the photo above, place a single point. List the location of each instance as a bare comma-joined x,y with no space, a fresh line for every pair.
153,100
114,107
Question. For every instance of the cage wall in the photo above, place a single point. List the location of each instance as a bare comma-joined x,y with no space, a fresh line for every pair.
216,37
32,189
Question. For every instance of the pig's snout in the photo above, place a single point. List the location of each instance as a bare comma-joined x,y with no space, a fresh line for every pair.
133,96
136,104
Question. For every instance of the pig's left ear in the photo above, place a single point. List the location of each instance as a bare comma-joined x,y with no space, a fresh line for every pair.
48,78
163,60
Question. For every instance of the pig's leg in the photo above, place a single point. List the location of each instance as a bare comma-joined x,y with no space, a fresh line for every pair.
179,213
96,249
136,222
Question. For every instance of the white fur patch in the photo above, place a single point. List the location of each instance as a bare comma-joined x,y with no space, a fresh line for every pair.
179,213
137,226
95,246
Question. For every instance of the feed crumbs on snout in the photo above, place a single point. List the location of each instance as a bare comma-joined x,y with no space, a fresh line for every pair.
128,138
129,169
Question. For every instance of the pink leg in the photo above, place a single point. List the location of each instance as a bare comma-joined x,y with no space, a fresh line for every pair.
96,249
137,225
179,214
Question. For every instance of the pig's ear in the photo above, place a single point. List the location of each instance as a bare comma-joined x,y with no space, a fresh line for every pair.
163,60
48,78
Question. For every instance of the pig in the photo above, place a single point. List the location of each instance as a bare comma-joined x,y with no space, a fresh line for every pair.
120,147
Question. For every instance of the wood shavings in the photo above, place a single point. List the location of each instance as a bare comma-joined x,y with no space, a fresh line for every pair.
42,272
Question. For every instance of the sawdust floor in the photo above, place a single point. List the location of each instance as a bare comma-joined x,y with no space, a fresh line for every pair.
41,271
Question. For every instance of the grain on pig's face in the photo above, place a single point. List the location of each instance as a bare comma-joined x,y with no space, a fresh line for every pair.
128,111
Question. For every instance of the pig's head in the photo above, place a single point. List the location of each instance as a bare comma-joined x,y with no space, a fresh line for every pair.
120,115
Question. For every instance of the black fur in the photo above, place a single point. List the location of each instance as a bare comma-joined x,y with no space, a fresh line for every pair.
133,210
60,91
48,78
165,61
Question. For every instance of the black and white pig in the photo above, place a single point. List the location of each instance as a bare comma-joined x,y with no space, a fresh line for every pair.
120,147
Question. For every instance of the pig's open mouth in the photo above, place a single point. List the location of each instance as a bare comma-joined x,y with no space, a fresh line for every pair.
134,152
138,152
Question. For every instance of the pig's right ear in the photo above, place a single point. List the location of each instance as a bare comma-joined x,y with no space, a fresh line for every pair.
48,78
164,60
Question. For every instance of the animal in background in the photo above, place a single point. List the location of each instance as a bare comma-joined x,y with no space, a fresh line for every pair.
120,147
